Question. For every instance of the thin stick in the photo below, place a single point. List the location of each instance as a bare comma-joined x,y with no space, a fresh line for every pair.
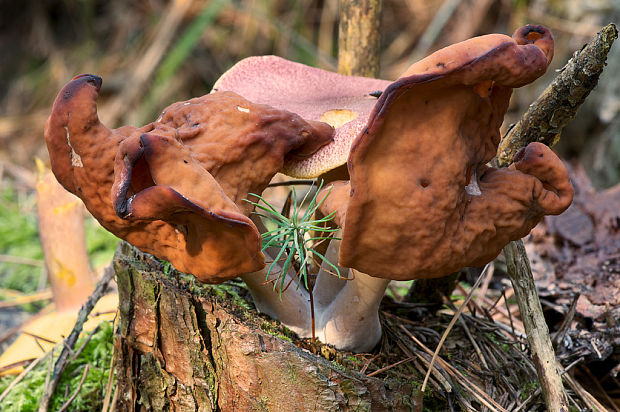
37,338
66,405
558,104
565,326
63,359
452,322
368,362
520,273
474,343
388,367
512,325
108,389
81,348
114,399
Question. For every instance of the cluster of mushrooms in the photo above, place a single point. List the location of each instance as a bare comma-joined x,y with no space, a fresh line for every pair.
419,202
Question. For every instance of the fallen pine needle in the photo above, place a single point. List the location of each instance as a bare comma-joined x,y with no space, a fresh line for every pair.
36,297
478,393
385,368
21,376
453,321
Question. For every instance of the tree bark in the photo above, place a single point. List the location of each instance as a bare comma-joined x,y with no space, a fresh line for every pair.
359,37
181,347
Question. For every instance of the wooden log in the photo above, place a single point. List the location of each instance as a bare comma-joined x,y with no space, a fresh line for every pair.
181,347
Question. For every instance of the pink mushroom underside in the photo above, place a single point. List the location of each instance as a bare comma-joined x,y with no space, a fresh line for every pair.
313,94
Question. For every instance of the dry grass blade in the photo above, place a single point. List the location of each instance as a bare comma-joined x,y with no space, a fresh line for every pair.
584,395
108,389
21,260
65,406
478,393
445,384
147,63
474,343
21,376
453,321
388,367
482,292
36,297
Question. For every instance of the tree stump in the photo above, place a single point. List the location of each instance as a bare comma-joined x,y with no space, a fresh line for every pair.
184,346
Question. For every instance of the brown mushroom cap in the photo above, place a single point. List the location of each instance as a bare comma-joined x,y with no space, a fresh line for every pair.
344,102
180,183
160,180
240,143
423,203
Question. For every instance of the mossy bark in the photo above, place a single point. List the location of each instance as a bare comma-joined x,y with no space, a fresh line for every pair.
182,348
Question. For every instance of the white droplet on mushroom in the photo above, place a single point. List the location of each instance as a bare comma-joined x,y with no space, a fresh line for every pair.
472,187
243,109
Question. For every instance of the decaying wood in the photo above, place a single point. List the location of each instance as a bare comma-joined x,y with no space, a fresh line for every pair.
180,348
557,105
535,327
359,37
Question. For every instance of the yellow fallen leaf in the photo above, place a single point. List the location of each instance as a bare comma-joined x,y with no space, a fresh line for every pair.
42,333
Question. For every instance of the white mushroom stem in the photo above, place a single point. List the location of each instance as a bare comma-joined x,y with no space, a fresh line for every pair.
346,311
293,309
328,285
351,321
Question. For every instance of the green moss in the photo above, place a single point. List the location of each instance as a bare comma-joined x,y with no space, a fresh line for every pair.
528,388
277,330
100,244
19,237
26,394
227,291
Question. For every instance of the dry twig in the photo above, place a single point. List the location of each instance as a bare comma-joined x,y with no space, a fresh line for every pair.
65,406
557,105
